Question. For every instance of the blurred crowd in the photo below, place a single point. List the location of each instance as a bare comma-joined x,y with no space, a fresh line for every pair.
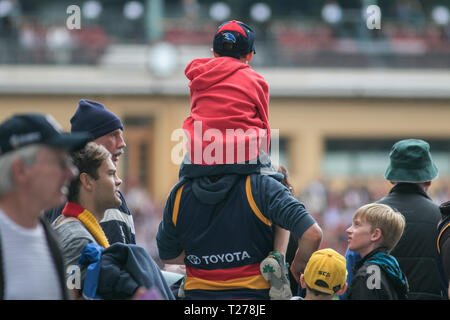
413,33
331,202
36,44
146,215
27,40
334,202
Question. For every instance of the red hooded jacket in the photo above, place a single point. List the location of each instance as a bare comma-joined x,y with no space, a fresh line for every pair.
226,94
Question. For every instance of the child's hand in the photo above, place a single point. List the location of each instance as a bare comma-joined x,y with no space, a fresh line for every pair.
297,269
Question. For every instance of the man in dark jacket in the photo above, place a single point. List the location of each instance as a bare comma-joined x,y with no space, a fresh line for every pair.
221,228
411,171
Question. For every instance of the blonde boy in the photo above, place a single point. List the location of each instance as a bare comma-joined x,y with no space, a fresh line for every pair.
375,230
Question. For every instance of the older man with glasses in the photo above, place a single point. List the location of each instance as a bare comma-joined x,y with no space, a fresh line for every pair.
35,170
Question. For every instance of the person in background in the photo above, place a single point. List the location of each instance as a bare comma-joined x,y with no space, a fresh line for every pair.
107,130
411,171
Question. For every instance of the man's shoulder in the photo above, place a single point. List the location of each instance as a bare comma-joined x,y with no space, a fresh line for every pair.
71,230
123,207
266,180
363,271
116,214
410,200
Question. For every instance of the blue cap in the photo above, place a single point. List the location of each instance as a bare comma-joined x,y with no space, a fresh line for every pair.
34,128
94,118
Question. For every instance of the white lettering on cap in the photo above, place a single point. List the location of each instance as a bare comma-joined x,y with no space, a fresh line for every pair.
18,140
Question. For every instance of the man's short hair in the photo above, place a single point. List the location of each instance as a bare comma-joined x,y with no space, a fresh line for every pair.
390,222
27,154
87,160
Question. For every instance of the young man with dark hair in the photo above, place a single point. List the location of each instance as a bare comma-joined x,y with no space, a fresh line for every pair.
106,129
94,191
123,270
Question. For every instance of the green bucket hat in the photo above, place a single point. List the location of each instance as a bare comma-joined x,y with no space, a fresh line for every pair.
411,162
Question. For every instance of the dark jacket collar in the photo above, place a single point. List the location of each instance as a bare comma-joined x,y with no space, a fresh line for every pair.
404,187
361,262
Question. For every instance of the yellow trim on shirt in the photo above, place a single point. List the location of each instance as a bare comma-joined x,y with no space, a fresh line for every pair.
439,237
251,201
176,205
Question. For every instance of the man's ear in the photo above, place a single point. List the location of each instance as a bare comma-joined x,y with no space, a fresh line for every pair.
249,56
18,171
215,54
426,185
86,181
302,281
342,290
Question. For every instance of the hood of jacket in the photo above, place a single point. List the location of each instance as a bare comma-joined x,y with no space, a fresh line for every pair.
212,190
206,72
392,269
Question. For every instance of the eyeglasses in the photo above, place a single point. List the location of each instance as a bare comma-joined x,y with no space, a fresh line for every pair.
66,163
62,161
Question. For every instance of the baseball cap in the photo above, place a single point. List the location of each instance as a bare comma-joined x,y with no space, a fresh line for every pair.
410,161
33,128
234,39
326,271
93,117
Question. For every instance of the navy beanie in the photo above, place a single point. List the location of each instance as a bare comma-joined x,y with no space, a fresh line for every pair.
94,118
